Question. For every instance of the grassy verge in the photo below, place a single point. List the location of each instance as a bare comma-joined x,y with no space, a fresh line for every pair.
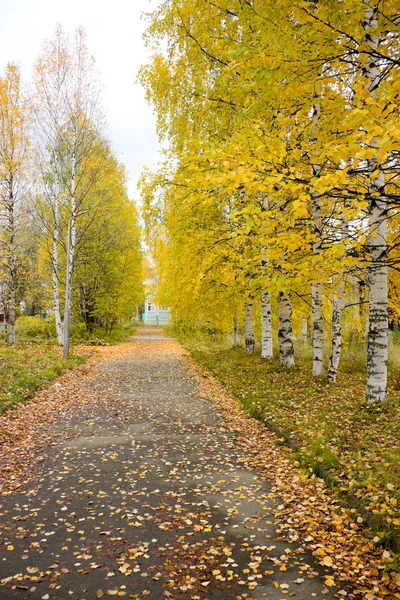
26,368
332,433
102,337
35,361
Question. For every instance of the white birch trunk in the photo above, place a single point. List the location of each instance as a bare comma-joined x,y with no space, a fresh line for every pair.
304,330
338,305
378,302
235,332
249,338
318,330
55,261
378,270
266,323
11,267
266,320
285,336
71,256
316,294
316,288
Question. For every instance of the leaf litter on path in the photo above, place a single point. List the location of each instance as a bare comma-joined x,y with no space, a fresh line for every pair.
151,482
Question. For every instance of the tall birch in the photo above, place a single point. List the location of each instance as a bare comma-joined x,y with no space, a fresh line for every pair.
378,269
316,288
285,334
249,337
338,307
266,319
50,110
69,123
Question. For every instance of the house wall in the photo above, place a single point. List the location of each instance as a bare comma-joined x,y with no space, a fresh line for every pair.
156,317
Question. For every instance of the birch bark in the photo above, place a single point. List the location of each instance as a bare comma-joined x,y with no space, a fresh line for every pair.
249,327
70,250
304,330
55,266
266,349
285,336
316,297
338,305
235,331
378,270
11,271
316,288
266,320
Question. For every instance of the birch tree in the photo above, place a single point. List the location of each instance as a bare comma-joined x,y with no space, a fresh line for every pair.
69,121
285,333
249,338
378,209
51,120
266,317
14,145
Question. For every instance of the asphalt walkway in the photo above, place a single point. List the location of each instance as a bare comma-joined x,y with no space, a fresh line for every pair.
148,497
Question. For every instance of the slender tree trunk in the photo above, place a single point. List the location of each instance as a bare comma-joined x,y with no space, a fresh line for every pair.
266,323
70,258
338,305
316,293
316,289
55,261
235,331
304,330
378,337
11,315
11,268
318,330
249,338
378,270
285,335
266,320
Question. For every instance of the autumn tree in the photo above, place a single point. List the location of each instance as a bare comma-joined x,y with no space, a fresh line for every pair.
69,127
14,147
259,100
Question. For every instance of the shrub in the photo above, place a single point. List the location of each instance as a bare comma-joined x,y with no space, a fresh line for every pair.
35,328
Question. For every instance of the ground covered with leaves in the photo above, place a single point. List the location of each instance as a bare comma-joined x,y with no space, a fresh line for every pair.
28,367
334,435
137,475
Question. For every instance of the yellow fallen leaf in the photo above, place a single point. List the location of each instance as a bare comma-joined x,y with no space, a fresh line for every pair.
330,581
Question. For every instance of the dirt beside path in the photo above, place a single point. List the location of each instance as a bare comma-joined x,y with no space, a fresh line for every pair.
144,488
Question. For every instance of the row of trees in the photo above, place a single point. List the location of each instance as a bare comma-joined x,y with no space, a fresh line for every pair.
281,177
68,231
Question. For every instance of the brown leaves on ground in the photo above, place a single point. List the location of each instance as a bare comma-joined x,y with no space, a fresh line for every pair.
307,515
308,512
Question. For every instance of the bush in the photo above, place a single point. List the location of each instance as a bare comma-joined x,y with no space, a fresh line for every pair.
35,328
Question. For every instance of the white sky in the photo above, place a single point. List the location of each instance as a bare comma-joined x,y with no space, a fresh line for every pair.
114,37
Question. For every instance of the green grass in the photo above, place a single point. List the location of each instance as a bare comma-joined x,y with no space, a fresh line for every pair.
332,432
35,361
27,368
102,337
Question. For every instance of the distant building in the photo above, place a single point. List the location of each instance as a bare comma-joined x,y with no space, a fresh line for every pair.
154,314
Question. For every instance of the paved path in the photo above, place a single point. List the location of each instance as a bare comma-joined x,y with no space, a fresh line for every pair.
148,498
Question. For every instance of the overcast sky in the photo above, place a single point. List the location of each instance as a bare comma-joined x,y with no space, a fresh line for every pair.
114,36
